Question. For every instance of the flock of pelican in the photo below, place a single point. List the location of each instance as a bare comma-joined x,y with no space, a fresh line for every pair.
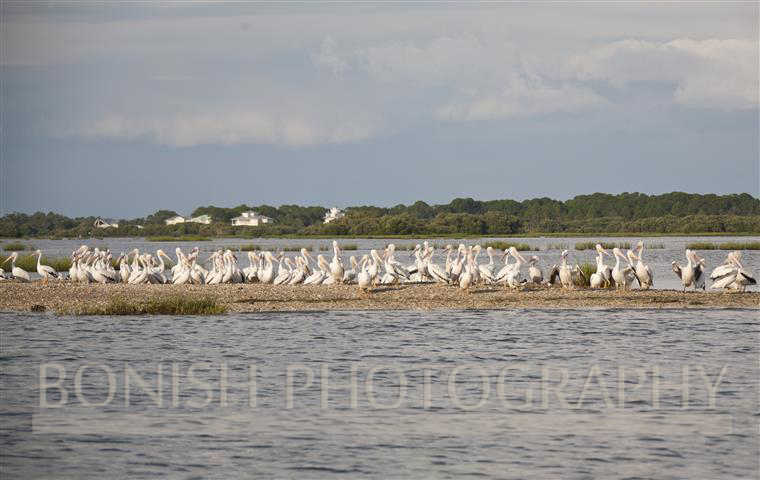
459,268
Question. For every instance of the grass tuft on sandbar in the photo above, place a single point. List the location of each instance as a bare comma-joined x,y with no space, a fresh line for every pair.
163,306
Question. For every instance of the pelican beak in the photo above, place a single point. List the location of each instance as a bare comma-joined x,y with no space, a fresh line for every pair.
521,257
606,252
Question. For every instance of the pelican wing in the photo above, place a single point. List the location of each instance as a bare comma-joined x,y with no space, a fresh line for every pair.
553,275
677,269
747,278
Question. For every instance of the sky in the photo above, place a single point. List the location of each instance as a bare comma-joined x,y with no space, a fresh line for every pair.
121,109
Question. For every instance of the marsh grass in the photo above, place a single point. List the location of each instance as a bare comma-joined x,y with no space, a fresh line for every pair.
344,247
724,246
249,247
556,246
17,247
606,245
655,246
184,238
163,306
588,269
501,245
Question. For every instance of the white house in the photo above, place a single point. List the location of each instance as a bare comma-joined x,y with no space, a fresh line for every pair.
175,220
204,219
105,223
334,214
251,219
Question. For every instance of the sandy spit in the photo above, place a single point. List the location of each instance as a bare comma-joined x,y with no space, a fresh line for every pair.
67,296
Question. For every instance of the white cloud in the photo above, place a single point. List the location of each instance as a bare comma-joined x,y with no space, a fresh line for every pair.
711,73
226,128
520,97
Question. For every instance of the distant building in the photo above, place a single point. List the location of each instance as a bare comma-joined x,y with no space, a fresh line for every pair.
251,219
334,214
204,219
105,223
175,220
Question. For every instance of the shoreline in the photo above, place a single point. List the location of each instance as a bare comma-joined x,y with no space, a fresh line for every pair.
67,297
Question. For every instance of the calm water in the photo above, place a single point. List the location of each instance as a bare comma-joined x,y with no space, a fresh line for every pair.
658,259
633,440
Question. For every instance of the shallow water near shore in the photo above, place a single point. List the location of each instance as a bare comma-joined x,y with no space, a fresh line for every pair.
440,439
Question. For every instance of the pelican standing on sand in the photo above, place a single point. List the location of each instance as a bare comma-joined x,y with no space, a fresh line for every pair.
624,275
45,271
643,273
603,275
18,273
691,275
731,274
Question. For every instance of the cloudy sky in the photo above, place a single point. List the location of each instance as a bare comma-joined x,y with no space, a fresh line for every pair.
120,109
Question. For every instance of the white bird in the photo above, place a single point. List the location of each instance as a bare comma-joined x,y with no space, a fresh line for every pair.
535,275
643,273
567,276
623,276
285,273
486,269
466,277
267,274
692,274
436,271
18,273
602,278
363,277
336,266
732,274
350,275
319,275
45,271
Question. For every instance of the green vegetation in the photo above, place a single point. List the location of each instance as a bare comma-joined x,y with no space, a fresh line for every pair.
606,245
724,246
249,247
501,245
162,306
588,269
557,246
184,238
345,247
655,246
596,214
17,247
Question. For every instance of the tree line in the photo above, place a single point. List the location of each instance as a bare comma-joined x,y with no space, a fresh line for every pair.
597,213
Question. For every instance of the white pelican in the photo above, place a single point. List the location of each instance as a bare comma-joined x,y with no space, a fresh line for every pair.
436,271
486,269
373,270
732,274
299,274
643,273
251,271
363,277
393,268
267,272
350,275
602,278
45,271
535,275
285,273
691,274
624,276
336,266
514,274
319,275
565,274
466,277
18,273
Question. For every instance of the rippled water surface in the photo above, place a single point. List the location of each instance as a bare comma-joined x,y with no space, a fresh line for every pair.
426,436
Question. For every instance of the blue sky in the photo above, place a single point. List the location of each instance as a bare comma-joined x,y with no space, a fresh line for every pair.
123,109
